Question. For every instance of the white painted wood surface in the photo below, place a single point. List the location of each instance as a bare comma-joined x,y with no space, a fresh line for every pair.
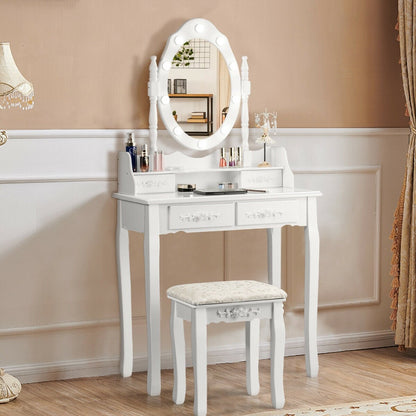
124,293
178,355
311,289
277,347
252,356
172,212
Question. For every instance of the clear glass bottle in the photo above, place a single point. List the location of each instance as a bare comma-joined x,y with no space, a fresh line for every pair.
223,160
158,161
239,159
231,160
144,159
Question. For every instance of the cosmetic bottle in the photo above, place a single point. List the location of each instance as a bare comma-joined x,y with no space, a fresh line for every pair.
131,148
239,159
223,161
231,160
158,161
144,159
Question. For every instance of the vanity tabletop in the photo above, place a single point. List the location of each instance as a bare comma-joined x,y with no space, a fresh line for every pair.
189,197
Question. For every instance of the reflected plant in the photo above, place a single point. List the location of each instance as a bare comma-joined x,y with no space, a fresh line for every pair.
184,55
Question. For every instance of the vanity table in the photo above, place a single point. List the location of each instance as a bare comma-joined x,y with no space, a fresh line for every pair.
148,203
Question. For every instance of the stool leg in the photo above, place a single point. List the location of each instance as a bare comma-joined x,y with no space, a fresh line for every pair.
252,356
178,354
199,358
277,347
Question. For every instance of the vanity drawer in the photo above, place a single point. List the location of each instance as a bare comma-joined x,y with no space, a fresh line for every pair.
182,217
273,212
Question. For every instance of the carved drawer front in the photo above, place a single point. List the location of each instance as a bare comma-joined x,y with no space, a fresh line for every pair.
200,216
273,212
261,178
149,183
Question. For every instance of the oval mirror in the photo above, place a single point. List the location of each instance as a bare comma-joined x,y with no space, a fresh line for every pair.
199,88
205,110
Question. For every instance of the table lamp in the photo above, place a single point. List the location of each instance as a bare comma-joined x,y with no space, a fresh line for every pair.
15,91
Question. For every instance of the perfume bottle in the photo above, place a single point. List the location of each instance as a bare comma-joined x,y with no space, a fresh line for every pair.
132,149
231,161
158,161
223,160
144,159
239,159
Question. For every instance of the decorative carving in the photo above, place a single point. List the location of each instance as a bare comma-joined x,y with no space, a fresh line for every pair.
269,179
199,217
153,183
238,312
264,213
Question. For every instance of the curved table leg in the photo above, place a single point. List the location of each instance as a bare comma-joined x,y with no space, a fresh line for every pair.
151,267
274,255
124,293
311,289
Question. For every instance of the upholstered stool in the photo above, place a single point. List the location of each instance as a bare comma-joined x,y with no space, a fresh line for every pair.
226,301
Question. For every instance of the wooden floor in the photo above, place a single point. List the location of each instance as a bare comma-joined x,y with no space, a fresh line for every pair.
344,377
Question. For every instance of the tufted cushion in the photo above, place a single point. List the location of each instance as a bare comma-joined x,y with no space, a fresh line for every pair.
225,292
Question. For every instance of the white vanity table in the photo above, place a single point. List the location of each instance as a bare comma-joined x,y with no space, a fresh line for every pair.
148,203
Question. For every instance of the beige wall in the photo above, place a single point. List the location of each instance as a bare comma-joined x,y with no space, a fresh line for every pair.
320,63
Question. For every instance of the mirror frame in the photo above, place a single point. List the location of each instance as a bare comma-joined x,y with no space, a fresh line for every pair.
200,29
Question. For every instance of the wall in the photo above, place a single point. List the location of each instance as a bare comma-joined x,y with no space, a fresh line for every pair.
329,69
318,63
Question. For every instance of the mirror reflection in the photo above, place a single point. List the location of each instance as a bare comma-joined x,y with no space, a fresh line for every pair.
199,88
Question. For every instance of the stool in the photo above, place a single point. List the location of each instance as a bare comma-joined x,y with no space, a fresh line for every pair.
226,301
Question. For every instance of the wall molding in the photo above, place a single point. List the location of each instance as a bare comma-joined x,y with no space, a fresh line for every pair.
59,156
56,179
120,134
60,370
67,326
375,298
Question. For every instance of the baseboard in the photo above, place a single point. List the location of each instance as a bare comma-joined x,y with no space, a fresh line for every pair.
106,366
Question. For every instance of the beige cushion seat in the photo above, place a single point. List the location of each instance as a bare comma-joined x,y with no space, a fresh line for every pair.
225,292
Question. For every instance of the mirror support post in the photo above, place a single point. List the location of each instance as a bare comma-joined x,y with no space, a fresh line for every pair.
152,93
245,92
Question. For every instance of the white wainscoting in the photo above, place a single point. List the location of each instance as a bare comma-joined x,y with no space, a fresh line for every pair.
57,262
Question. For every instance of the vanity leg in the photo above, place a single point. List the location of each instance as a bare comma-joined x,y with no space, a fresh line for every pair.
178,354
252,356
311,289
124,294
274,255
151,266
199,359
277,352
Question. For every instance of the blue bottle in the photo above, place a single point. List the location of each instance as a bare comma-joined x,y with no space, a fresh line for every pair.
132,149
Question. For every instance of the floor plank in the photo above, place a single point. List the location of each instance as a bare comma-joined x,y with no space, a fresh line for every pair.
344,377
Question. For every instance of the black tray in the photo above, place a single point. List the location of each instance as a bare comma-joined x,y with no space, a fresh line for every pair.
220,191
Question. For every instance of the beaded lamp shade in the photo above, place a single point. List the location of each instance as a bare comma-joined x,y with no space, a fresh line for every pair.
15,89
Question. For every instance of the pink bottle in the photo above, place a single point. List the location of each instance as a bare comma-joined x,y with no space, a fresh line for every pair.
223,160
